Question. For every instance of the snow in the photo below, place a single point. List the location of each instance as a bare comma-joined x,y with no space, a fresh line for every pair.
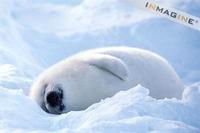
35,34
128,111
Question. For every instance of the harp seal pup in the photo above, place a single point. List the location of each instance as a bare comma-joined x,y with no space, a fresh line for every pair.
87,77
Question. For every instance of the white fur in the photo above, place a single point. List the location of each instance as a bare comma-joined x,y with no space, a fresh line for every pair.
93,75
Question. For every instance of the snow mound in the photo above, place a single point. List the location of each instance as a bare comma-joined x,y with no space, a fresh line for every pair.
10,78
128,111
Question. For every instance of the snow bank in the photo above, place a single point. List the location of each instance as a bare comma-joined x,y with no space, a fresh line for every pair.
10,78
128,111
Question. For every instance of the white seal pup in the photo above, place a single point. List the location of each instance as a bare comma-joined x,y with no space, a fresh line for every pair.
85,78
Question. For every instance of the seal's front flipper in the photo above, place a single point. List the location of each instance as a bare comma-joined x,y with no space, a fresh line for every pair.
108,63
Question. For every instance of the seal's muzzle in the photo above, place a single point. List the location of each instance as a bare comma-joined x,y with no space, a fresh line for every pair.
53,99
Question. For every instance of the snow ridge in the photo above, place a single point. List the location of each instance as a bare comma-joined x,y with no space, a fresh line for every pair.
128,111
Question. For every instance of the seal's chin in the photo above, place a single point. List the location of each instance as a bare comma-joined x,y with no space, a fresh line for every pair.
53,110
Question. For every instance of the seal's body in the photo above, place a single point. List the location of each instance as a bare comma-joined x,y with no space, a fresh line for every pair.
85,78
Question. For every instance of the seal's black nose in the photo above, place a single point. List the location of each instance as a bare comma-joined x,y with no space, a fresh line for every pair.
53,98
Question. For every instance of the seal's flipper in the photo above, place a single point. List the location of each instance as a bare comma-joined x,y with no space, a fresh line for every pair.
110,64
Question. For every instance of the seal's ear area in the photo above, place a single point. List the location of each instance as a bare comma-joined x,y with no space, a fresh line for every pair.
110,64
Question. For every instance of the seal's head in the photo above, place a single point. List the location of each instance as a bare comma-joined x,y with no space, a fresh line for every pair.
50,98
67,86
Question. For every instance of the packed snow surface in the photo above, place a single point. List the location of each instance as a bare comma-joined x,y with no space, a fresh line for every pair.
128,111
